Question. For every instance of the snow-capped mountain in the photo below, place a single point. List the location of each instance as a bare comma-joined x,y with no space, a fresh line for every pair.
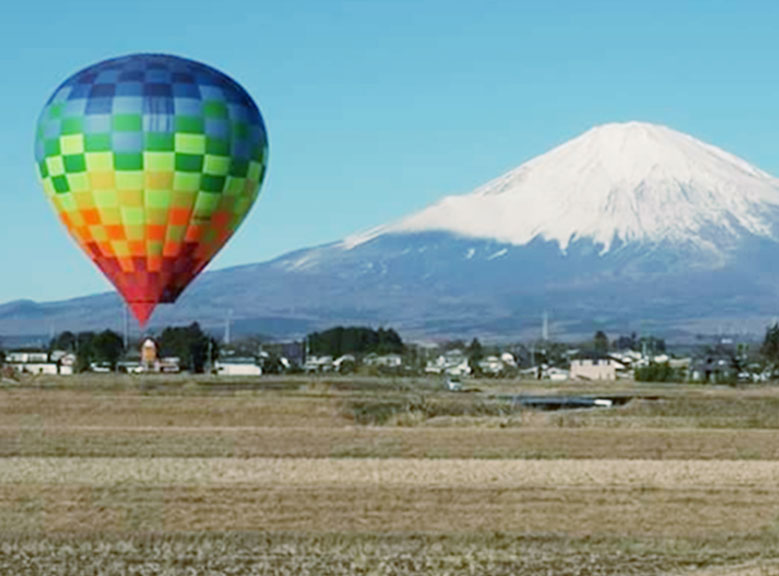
632,182
626,227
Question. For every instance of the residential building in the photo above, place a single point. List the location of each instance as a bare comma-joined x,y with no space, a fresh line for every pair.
318,364
453,363
238,366
491,365
594,369
385,361
41,362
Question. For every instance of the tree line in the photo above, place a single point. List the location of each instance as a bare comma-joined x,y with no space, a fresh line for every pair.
188,343
355,340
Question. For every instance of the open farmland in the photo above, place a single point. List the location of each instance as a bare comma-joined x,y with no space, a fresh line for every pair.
181,476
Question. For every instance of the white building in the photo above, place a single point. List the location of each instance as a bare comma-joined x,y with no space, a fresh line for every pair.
491,365
460,369
238,367
452,363
65,360
385,361
27,357
36,368
508,359
597,369
169,365
40,362
318,364
342,361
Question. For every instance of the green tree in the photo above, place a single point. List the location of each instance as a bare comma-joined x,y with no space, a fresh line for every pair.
355,340
770,347
627,342
64,341
389,342
272,364
656,373
475,355
190,345
653,345
600,343
108,347
85,353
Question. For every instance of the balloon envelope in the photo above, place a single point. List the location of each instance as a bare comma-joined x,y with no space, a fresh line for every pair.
151,162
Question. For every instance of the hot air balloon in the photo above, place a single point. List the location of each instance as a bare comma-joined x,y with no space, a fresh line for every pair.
151,162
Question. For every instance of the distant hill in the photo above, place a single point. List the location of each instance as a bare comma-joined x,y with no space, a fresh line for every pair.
627,227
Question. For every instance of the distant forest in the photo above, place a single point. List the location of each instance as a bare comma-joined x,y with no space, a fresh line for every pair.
355,340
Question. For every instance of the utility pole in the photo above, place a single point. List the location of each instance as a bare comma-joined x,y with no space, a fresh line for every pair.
545,327
228,322
126,338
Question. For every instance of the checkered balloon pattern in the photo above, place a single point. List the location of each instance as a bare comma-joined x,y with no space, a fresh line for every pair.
151,162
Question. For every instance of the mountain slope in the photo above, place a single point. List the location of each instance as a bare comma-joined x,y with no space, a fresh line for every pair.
631,182
626,227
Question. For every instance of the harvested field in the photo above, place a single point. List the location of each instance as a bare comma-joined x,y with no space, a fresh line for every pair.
496,554
348,441
392,472
381,477
639,498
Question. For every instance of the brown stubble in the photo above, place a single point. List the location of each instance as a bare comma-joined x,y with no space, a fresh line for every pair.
188,476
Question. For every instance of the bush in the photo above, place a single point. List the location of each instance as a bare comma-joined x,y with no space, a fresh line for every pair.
657,373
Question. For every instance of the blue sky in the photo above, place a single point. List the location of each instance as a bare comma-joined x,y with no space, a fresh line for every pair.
378,108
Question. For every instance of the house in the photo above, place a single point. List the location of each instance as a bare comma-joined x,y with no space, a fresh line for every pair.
453,363
385,361
169,365
151,362
681,364
238,366
40,362
27,357
713,368
460,369
149,355
491,365
129,366
436,366
497,365
594,369
318,364
346,362
290,354
65,360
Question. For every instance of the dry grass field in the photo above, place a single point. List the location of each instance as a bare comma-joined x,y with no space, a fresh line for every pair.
174,476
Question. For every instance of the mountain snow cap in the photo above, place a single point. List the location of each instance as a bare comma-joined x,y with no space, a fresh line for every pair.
631,182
